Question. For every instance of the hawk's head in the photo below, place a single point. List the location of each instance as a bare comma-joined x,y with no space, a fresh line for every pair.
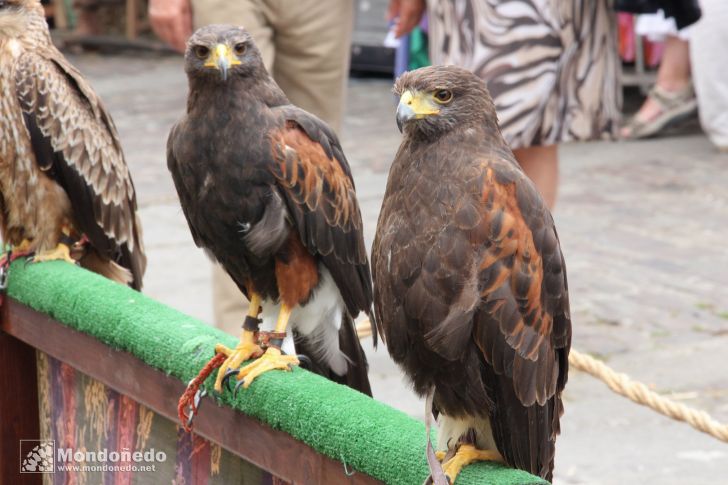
16,16
222,52
436,99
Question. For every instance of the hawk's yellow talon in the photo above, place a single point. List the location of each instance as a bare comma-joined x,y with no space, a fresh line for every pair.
222,349
270,360
23,247
466,455
245,350
60,253
440,455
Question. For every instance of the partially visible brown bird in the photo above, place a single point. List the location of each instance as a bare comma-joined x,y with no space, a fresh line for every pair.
469,280
63,177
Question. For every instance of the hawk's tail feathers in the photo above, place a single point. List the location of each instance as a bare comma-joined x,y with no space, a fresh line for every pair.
92,261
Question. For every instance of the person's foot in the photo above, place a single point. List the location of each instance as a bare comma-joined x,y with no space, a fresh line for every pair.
661,109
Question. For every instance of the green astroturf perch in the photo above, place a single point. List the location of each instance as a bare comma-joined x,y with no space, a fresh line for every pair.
333,419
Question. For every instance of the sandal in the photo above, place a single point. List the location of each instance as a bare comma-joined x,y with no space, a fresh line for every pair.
674,107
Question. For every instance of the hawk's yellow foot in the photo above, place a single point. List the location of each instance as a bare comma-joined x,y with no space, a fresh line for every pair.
247,349
23,247
61,252
466,455
271,359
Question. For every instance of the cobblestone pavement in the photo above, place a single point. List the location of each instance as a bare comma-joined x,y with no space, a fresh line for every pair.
643,227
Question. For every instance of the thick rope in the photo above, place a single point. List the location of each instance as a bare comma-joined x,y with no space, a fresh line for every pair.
623,385
636,391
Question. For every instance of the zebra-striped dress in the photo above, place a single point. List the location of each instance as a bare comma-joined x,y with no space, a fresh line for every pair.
550,65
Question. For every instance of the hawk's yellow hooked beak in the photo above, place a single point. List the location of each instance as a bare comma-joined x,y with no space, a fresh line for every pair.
222,58
414,105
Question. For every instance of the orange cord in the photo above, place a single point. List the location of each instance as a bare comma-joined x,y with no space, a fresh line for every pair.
188,397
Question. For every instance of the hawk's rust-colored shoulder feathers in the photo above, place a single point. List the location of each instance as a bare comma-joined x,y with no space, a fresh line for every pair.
75,141
316,182
520,302
523,326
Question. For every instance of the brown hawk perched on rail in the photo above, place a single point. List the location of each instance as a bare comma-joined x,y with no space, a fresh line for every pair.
63,177
268,193
469,280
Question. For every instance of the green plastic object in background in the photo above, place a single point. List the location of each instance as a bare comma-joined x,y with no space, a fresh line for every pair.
343,424
418,49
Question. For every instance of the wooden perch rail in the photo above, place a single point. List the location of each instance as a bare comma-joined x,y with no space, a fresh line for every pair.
248,438
297,425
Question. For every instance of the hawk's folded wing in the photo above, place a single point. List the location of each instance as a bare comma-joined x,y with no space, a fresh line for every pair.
315,180
74,140
516,312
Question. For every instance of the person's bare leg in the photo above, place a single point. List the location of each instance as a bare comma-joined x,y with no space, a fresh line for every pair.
673,75
541,164
674,71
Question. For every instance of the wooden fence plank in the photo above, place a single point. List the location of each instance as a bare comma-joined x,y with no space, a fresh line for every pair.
267,448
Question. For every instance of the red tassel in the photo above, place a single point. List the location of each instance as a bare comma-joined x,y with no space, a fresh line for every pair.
188,397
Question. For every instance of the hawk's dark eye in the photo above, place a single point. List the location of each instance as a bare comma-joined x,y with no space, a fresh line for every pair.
443,96
240,48
200,51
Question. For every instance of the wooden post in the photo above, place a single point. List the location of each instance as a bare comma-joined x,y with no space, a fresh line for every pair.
18,405
132,19
59,15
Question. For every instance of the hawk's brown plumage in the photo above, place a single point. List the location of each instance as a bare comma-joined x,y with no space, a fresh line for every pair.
61,164
470,283
267,191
